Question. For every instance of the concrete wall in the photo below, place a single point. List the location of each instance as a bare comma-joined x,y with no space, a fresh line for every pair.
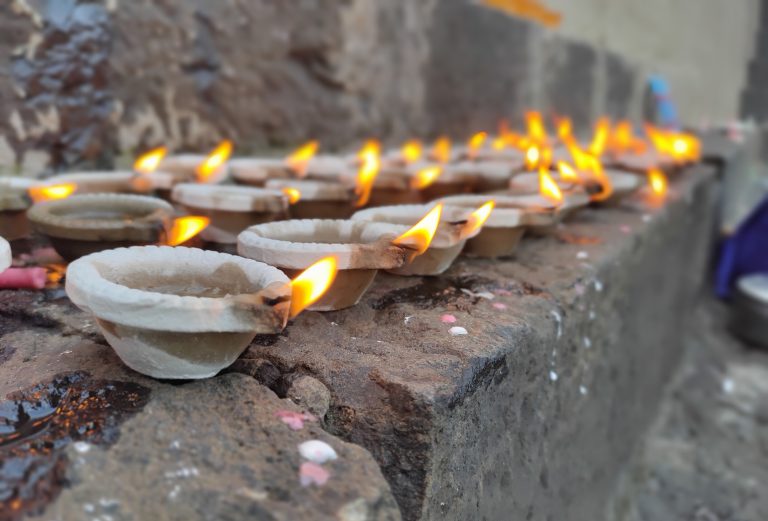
84,80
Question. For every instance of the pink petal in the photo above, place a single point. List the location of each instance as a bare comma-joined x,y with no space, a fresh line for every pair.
448,319
294,420
499,305
313,474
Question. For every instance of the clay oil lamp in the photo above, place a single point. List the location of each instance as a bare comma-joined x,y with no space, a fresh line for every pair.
112,182
435,181
361,249
455,226
505,226
378,186
255,171
482,176
573,195
657,188
14,202
179,313
315,199
186,168
83,224
5,255
230,209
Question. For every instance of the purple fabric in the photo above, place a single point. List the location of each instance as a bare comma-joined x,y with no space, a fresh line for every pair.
745,252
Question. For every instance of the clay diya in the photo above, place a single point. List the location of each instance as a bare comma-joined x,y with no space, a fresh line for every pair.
108,182
485,176
231,209
317,199
507,223
447,243
14,202
83,224
435,181
5,255
255,171
179,312
361,249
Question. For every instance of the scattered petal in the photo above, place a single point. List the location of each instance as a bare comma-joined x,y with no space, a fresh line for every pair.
592,315
294,420
408,319
587,342
448,319
579,289
646,218
482,294
582,255
598,286
499,305
583,390
317,451
457,330
553,376
81,446
313,474
727,386
625,229
503,292
559,321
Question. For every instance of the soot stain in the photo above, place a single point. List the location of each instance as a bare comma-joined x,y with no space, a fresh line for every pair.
38,423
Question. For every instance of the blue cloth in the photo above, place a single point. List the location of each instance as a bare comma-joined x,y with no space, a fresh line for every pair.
666,113
745,252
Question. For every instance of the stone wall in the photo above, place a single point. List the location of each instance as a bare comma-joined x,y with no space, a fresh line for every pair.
86,79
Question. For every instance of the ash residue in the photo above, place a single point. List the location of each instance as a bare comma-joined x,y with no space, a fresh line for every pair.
37,424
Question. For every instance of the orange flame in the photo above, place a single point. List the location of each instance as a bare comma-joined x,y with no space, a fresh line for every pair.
419,237
475,143
299,158
184,228
548,188
657,182
149,161
499,143
425,177
441,150
600,137
40,194
680,146
213,162
567,172
532,157
411,151
294,195
477,219
311,284
535,125
564,129
369,169
624,140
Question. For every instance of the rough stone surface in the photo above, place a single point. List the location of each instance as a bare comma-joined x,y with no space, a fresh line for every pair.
213,449
704,459
621,80
311,394
569,80
535,411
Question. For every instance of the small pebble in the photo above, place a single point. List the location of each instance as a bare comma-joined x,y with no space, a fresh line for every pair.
587,342
317,451
553,376
592,315
457,330
727,386
583,390
81,446
313,474
499,305
407,319
646,218
598,286
448,319
582,255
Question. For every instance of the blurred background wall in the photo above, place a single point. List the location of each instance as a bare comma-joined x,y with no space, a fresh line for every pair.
84,80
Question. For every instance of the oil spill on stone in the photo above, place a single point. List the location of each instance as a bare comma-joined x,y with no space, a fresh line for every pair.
435,291
38,423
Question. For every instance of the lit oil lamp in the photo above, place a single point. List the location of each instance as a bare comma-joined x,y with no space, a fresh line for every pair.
315,199
98,182
658,187
256,171
435,181
179,313
604,185
188,168
443,246
87,223
360,248
14,202
482,176
231,209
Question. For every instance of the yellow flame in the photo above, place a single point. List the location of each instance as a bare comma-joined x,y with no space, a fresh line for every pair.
294,195
477,218
567,173
425,177
533,10
680,146
624,140
184,228
532,157
548,188
564,129
441,150
600,136
420,236
213,162
369,169
311,284
499,143
658,182
411,151
149,161
537,132
475,143
299,158
40,194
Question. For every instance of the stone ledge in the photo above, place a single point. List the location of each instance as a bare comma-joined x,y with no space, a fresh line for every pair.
536,410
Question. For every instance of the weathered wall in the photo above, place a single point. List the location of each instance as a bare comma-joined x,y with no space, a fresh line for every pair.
85,79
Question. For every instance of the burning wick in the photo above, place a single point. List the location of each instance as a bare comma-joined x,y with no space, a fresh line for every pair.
411,151
600,137
40,194
311,284
299,159
425,177
475,143
184,228
567,172
213,162
371,163
294,196
420,236
658,183
441,150
477,219
548,187
532,157
149,161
